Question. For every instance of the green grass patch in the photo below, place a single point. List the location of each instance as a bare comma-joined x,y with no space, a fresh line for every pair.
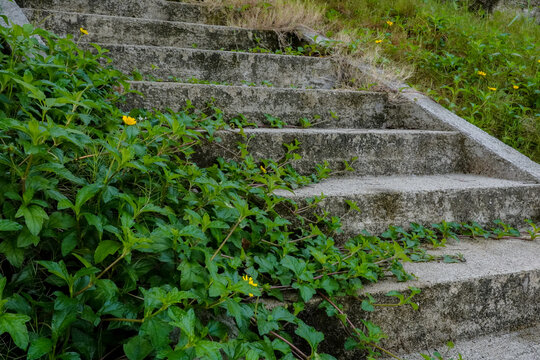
483,67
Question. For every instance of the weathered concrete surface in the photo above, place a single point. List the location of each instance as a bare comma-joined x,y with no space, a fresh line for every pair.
224,67
515,345
379,152
398,200
126,30
486,154
496,289
13,13
323,108
147,9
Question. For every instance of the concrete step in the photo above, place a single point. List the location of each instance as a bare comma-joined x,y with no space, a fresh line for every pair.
378,152
230,68
148,9
127,30
496,289
322,108
398,200
522,344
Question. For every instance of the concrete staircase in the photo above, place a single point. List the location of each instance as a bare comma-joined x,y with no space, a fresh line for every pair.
415,161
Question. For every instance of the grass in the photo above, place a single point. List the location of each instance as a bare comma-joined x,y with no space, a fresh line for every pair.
483,67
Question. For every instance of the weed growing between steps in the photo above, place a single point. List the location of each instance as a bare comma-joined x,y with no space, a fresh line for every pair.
115,242
483,67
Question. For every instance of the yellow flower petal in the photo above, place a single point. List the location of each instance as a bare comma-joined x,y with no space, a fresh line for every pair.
515,87
85,32
263,169
128,120
250,295
492,88
378,41
481,73
390,23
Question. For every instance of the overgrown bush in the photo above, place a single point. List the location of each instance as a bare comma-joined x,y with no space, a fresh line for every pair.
115,242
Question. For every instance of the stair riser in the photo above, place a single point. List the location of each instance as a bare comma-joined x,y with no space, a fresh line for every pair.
385,208
225,67
447,312
379,153
124,30
350,109
158,10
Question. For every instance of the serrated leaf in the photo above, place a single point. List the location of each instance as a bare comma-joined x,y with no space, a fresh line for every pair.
106,248
137,348
312,336
15,326
39,347
84,194
34,216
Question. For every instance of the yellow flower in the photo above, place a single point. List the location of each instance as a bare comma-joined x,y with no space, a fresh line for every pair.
263,169
390,23
85,32
128,120
492,88
515,87
378,41
481,73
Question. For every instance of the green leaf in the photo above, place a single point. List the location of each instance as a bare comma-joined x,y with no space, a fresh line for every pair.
14,325
158,331
57,268
69,243
185,320
312,336
137,348
104,249
65,313
8,225
13,254
306,291
39,347
85,194
34,216
367,306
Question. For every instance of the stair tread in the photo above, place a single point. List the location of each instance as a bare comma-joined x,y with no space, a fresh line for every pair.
523,344
483,258
117,18
350,186
344,131
169,85
148,9
144,31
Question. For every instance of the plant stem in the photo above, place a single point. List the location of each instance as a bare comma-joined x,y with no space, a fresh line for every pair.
227,238
91,283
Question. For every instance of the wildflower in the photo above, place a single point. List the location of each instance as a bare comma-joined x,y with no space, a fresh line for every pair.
390,23
263,169
515,87
250,280
481,73
83,31
128,120
378,41
492,88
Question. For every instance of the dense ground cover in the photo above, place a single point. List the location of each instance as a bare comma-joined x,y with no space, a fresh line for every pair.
115,243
